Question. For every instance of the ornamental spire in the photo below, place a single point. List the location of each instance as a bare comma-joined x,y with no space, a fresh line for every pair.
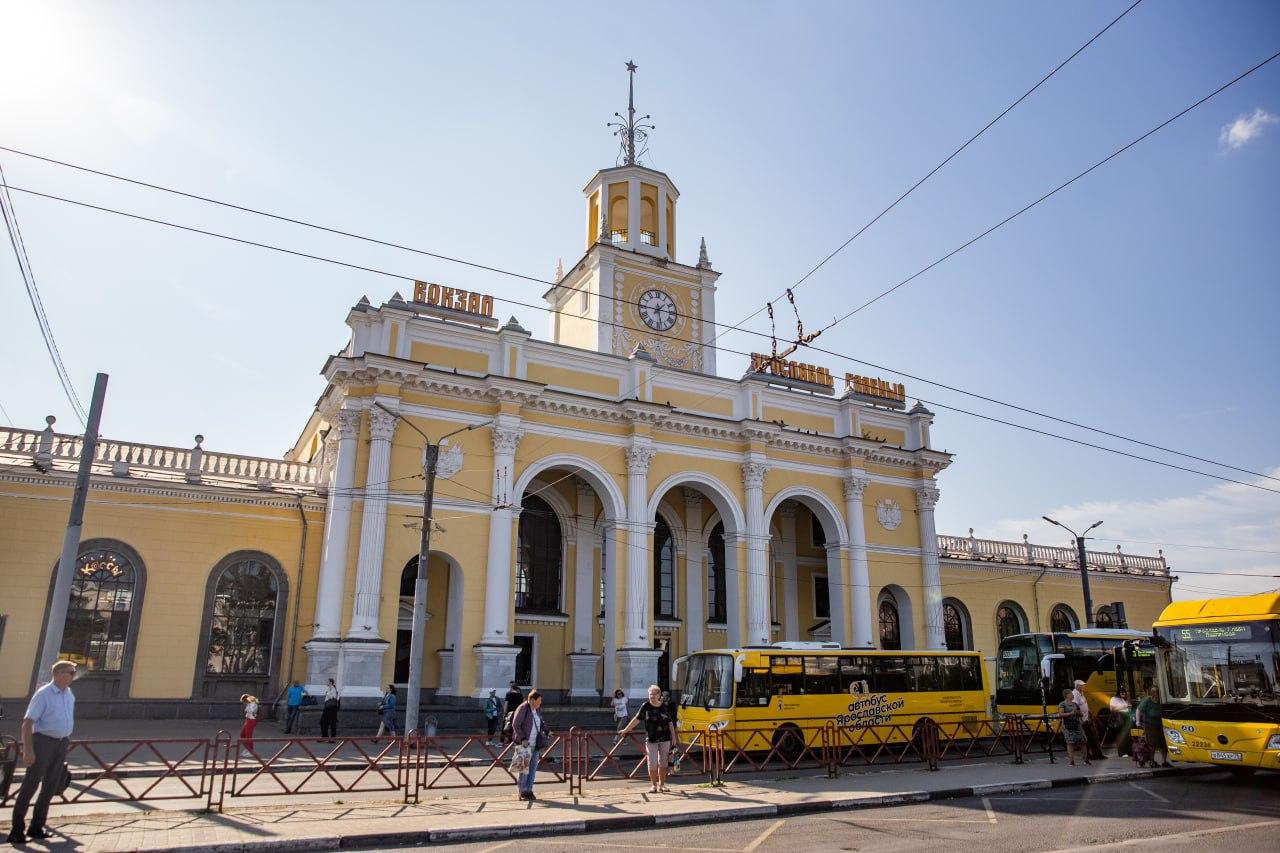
633,133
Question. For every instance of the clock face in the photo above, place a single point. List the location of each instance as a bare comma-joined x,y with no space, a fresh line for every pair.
657,310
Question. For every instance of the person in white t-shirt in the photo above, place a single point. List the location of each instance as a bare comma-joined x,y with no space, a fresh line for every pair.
621,713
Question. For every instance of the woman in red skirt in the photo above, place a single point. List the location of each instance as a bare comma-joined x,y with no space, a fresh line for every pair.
250,723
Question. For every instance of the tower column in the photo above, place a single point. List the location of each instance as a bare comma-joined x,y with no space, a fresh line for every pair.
935,636
859,589
495,653
757,583
637,659
662,221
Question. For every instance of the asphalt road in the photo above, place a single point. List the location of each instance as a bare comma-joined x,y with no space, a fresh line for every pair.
1211,812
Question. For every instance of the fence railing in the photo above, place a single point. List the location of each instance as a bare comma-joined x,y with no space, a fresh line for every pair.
215,771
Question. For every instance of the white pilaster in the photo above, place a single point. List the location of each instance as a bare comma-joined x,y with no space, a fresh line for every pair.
855,483
498,601
635,623
373,528
695,576
585,589
614,542
757,579
786,554
333,558
837,592
633,213
926,500
662,221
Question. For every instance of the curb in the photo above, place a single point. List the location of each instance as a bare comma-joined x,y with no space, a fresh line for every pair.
622,823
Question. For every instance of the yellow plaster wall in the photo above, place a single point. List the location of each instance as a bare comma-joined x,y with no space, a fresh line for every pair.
792,418
574,330
688,401
562,377
907,534
449,357
892,437
179,541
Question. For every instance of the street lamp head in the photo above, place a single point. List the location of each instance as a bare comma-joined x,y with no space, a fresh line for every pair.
1095,524
1051,521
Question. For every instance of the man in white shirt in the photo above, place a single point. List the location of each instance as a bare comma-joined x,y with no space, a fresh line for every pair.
46,734
1093,750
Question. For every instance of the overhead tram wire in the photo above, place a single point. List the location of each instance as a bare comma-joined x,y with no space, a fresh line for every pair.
938,167
33,295
1052,192
544,308
676,338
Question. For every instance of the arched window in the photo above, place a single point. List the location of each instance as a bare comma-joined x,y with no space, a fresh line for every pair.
98,614
538,559
1105,618
1010,620
664,572
890,625
715,575
955,626
1063,620
242,627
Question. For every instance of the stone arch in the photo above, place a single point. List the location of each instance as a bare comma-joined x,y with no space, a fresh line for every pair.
819,504
592,472
721,498
451,638
206,685
906,617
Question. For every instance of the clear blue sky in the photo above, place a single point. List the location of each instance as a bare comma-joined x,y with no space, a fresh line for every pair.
1143,299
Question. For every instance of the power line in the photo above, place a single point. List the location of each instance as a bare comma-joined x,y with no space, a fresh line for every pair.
1047,195
508,300
1185,545
674,338
33,295
938,167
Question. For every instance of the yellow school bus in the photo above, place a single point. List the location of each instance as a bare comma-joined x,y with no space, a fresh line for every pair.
1032,669
871,696
1218,666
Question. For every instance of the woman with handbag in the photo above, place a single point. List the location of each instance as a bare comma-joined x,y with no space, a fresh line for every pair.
329,713
387,710
529,737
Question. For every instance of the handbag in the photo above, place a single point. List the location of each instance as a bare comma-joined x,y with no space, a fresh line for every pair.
331,704
64,780
542,741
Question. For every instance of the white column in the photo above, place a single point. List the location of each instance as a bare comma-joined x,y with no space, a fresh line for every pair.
615,536
786,553
837,591
935,636
859,589
757,579
734,581
662,221
498,601
585,590
333,557
633,213
695,577
635,619
373,528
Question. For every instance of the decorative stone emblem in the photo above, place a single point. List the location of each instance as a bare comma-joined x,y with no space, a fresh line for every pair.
449,460
889,514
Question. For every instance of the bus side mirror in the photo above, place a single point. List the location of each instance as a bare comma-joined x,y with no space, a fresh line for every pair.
1046,664
737,669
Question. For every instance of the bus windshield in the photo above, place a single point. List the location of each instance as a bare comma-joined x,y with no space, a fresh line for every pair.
1221,662
709,681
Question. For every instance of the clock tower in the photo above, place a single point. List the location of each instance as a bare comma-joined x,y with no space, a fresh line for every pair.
628,290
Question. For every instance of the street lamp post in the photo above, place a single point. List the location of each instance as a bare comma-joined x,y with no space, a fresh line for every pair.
431,456
1084,569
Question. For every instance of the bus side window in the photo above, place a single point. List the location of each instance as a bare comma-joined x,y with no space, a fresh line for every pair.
821,674
754,688
890,675
854,670
788,676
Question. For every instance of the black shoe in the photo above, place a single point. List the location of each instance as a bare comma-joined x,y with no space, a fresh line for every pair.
16,838
40,833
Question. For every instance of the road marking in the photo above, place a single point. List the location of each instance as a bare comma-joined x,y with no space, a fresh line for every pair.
991,813
760,839
1195,833
498,846
861,819
1149,792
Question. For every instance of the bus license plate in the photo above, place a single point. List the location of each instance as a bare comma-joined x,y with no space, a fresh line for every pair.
1226,756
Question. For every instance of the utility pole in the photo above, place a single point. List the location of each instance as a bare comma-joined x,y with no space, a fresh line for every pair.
57,622
1081,560
431,457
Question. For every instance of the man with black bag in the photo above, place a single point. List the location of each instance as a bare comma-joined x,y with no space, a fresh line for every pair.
46,734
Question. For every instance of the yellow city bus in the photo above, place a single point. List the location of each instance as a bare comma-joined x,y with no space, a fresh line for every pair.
1105,659
1219,673
800,687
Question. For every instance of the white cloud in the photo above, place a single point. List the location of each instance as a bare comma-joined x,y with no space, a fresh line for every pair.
1245,128
1225,516
142,119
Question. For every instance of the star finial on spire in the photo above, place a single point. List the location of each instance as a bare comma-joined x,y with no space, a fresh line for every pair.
633,132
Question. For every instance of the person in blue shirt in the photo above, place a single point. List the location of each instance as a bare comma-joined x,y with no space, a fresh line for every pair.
294,705
46,734
388,711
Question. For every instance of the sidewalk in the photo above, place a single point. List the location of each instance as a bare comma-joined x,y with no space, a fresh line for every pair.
476,814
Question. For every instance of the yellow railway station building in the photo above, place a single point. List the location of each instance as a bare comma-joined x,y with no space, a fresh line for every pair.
606,501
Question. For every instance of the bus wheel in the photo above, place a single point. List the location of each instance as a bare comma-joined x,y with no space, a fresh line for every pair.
788,742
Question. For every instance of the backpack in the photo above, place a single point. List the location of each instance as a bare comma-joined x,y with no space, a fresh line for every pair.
508,725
